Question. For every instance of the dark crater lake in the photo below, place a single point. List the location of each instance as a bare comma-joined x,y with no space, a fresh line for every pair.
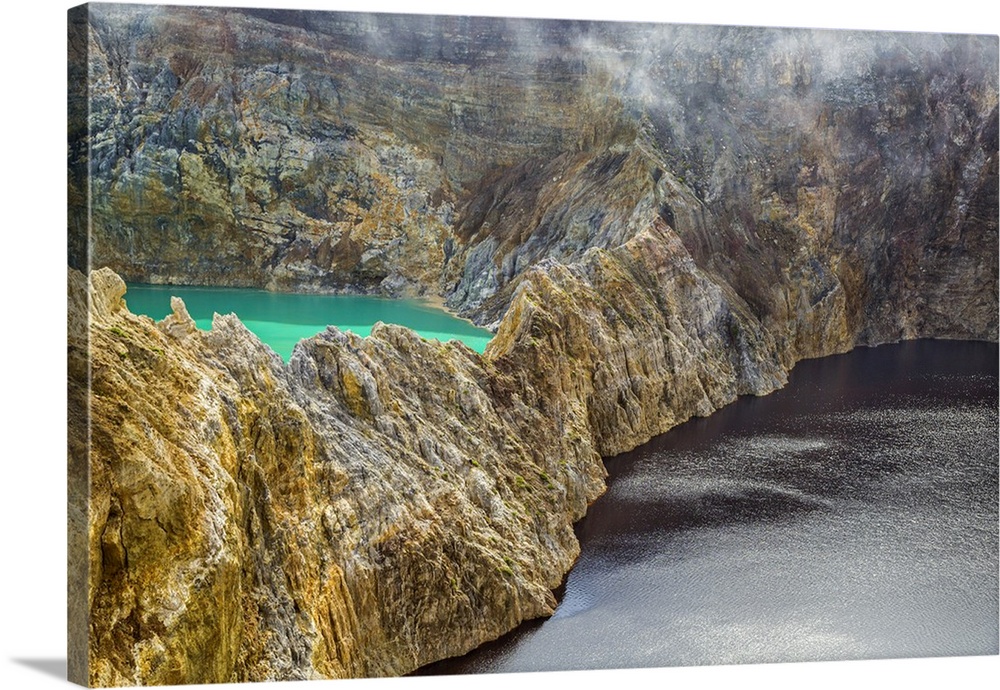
850,515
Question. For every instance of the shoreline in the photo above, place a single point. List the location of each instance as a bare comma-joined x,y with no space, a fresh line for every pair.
505,645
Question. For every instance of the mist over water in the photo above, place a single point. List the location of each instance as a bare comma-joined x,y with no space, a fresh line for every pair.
282,319
851,515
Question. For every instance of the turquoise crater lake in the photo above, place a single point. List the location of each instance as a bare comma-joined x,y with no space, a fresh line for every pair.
282,319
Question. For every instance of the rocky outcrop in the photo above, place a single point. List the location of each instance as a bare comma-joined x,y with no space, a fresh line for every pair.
816,174
657,220
380,503
636,340
376,505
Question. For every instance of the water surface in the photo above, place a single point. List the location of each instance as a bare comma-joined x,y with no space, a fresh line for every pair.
282,319
851,515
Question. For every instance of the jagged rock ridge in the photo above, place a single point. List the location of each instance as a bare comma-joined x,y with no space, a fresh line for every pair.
380,503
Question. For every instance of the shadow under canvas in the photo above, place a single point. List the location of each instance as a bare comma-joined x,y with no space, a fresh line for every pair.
50,667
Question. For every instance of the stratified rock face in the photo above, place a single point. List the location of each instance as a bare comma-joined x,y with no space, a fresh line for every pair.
654,220
638,338
810,170
377,503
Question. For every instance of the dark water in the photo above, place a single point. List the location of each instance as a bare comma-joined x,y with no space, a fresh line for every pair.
851,515
282,319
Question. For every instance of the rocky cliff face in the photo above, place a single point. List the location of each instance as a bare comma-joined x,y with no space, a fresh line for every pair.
371,507
653,219
375,504
448,155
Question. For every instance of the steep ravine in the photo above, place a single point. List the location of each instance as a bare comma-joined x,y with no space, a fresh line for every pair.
655,220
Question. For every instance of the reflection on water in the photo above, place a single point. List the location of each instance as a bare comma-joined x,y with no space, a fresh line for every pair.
851,515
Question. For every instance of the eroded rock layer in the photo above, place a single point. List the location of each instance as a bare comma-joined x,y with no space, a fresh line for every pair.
654,220
380,503
446,155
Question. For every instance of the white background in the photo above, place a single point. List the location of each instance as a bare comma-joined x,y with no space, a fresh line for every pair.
32,311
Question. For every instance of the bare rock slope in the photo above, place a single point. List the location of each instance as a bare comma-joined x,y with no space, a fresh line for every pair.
378,503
